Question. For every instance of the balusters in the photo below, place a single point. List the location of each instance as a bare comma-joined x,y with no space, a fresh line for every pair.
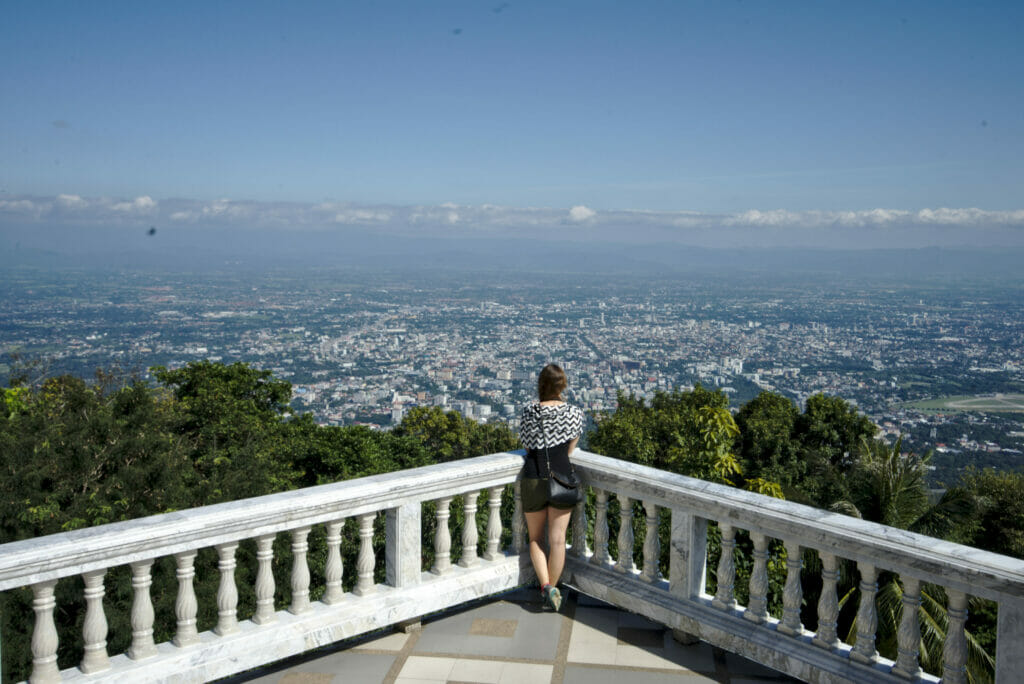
600,556
757,606
724,598
867,616
652,545
494,524
908,637
365,560
579,530
954,653
227,591
625,538
185,606
442,538
469,534
44,635
94,628
828,603
518,521
264,580
333,570
300,572
792,592
142,612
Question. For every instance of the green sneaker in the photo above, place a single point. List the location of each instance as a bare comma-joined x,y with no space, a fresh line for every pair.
553,598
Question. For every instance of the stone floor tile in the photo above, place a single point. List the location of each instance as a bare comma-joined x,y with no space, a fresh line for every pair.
740,666
534,637
394,641
478,671
410,680
422,667
641,638
306,678
493,628
577,674
359,667
591,653
631,656
699,657
525,673
636,621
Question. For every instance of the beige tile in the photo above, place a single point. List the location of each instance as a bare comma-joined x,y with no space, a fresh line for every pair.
642,638
696,657
479,671
631,656
591,652
494,628
389,642
306,678
526,673
422,667
410,680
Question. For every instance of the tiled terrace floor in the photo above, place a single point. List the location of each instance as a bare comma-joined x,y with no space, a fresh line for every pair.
511,639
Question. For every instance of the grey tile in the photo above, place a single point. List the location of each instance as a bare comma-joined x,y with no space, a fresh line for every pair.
575,674
591,602
356,667
535,636
740,666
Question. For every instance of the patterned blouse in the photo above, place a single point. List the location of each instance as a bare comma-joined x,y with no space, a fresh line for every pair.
561,424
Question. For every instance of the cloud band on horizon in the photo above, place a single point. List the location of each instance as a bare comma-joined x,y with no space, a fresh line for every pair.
755,228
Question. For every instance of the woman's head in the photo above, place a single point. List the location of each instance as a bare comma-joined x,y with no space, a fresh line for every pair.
551,382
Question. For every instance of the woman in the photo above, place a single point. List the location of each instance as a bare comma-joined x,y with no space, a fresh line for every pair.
549,430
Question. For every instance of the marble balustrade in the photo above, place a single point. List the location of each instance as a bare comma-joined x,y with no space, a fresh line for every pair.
781,642
631,577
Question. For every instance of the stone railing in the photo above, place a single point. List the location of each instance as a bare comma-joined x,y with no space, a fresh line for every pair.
236,644
784,644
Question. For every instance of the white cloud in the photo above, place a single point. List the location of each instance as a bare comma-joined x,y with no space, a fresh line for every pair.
580,213
776,226
71,201
141,205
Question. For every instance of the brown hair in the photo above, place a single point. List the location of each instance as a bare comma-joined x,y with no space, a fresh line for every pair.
551,382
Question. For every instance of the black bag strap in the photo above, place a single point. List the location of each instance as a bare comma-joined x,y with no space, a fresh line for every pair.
544,431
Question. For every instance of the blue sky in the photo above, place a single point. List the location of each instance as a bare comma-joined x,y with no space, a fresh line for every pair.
717,109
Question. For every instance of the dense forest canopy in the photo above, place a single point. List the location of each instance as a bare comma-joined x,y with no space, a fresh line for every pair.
75,454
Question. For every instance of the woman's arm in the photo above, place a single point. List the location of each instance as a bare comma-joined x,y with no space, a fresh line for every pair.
572,445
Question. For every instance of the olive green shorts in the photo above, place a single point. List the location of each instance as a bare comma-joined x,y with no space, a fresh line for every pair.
535,495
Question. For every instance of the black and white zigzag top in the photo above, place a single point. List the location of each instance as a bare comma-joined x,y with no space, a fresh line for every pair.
562,422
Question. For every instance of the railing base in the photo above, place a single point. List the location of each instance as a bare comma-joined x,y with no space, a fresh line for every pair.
795,656
254,646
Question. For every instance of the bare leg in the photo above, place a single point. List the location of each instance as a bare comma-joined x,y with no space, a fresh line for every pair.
535,524
558,522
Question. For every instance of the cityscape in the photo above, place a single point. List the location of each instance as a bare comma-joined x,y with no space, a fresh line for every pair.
364,348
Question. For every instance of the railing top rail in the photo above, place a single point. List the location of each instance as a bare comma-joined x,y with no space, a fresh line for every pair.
974,571
60,555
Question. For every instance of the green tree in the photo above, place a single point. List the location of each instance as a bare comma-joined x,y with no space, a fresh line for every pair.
691,433
999,524
448,436
232,416
767,445
889,487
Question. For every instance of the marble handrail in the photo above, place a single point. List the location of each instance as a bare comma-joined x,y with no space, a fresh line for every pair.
783,643
678,601
974,571
71,553
268,635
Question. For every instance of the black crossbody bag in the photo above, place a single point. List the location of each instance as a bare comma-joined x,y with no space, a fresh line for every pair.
564,490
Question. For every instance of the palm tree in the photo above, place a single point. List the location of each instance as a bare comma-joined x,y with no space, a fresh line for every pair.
889,487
